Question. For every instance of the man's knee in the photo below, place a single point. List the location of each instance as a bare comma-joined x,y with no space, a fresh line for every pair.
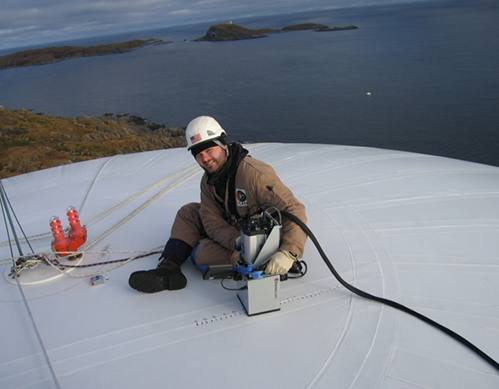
187,225
189,212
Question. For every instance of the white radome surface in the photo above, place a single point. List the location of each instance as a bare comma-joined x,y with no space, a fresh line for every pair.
417,229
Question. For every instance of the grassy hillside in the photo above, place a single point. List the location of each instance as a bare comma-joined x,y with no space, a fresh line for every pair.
30,141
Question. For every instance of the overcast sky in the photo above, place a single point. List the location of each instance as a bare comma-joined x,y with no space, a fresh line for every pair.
32,22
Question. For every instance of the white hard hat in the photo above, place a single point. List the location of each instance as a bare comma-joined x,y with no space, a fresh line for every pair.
201,130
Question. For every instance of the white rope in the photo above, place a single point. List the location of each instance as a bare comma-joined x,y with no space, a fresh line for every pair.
114,208
139,209
32,261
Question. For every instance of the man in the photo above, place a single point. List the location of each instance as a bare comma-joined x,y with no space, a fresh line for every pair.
233,186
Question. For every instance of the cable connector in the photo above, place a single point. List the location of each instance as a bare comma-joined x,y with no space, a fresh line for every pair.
77,236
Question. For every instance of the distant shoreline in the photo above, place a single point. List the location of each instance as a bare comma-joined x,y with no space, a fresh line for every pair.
216,33
50,55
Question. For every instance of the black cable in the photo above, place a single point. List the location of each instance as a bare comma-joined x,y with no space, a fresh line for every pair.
300,270
391,303
61,265
6,225
231,289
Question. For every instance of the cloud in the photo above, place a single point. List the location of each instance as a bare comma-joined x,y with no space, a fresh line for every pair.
33,22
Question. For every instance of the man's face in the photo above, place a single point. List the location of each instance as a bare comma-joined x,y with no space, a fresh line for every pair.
212,159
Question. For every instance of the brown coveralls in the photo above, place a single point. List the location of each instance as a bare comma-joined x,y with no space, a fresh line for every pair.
208,223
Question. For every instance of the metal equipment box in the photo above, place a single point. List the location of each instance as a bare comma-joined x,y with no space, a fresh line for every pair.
260,296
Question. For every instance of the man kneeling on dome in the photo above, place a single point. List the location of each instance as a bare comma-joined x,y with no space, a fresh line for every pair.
208,231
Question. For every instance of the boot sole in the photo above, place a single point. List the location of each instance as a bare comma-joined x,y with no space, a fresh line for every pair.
148,282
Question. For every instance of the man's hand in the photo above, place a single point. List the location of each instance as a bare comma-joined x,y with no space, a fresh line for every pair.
280,263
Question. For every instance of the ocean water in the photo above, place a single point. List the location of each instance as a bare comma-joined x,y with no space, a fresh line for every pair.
431,70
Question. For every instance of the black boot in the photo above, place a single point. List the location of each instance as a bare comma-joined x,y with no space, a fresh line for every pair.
167,276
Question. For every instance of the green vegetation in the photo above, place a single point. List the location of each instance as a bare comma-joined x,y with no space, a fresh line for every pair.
55,54
30,141
229,32
305,26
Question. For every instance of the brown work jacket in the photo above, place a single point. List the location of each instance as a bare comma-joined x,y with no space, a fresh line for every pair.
256,184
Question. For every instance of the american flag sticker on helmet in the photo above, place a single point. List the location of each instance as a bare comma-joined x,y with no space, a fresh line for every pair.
195,138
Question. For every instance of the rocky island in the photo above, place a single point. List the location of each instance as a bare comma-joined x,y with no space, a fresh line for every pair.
55,54
34,141
303,26
326,28
231,32
218,32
